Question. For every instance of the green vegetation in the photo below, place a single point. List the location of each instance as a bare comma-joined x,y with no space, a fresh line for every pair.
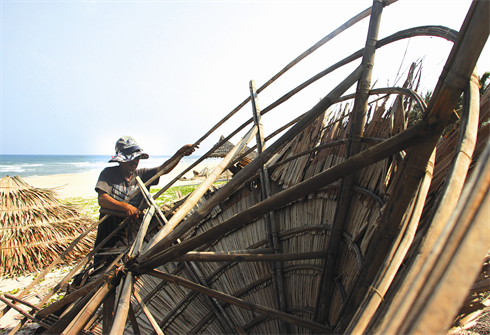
90,206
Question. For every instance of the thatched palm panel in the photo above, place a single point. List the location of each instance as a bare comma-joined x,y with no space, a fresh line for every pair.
35,228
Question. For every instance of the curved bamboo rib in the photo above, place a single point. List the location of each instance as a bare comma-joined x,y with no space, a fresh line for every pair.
392,90
436,31
457,176
387,90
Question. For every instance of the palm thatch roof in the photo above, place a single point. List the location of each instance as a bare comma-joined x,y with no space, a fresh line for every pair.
35,228
352,222
225,148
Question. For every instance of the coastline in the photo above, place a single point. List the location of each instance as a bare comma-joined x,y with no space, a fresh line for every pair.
83,184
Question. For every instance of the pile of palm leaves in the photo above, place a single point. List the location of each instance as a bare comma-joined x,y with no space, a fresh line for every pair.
35,228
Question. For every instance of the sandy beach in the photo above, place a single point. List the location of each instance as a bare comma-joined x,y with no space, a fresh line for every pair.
83,184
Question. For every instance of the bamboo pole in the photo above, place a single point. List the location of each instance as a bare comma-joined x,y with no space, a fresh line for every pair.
227,324
274,243
251,168
24,313
151,202
138,241
199,192
108,312
70,298
133,320
23,302
399,142
241,303
89,309
327,285
122,309
248,257
148,314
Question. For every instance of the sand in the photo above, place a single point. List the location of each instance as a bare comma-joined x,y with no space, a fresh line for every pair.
83,184
15,286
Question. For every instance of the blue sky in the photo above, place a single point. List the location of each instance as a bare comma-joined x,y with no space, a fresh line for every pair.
76,75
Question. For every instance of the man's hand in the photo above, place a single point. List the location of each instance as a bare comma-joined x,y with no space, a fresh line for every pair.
188,149
106,201
131,211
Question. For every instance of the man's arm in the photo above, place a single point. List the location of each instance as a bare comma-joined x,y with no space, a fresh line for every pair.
170,164
106,201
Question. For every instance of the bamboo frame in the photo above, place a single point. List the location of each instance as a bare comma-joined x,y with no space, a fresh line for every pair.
224,192
133,320
353,147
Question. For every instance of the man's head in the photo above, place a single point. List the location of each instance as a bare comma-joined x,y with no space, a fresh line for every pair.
127,151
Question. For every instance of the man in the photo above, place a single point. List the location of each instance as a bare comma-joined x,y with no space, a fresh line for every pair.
117,183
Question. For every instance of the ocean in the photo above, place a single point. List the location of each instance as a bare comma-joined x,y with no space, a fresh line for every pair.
46,165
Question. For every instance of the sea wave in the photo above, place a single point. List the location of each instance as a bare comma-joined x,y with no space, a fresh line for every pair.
11,168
